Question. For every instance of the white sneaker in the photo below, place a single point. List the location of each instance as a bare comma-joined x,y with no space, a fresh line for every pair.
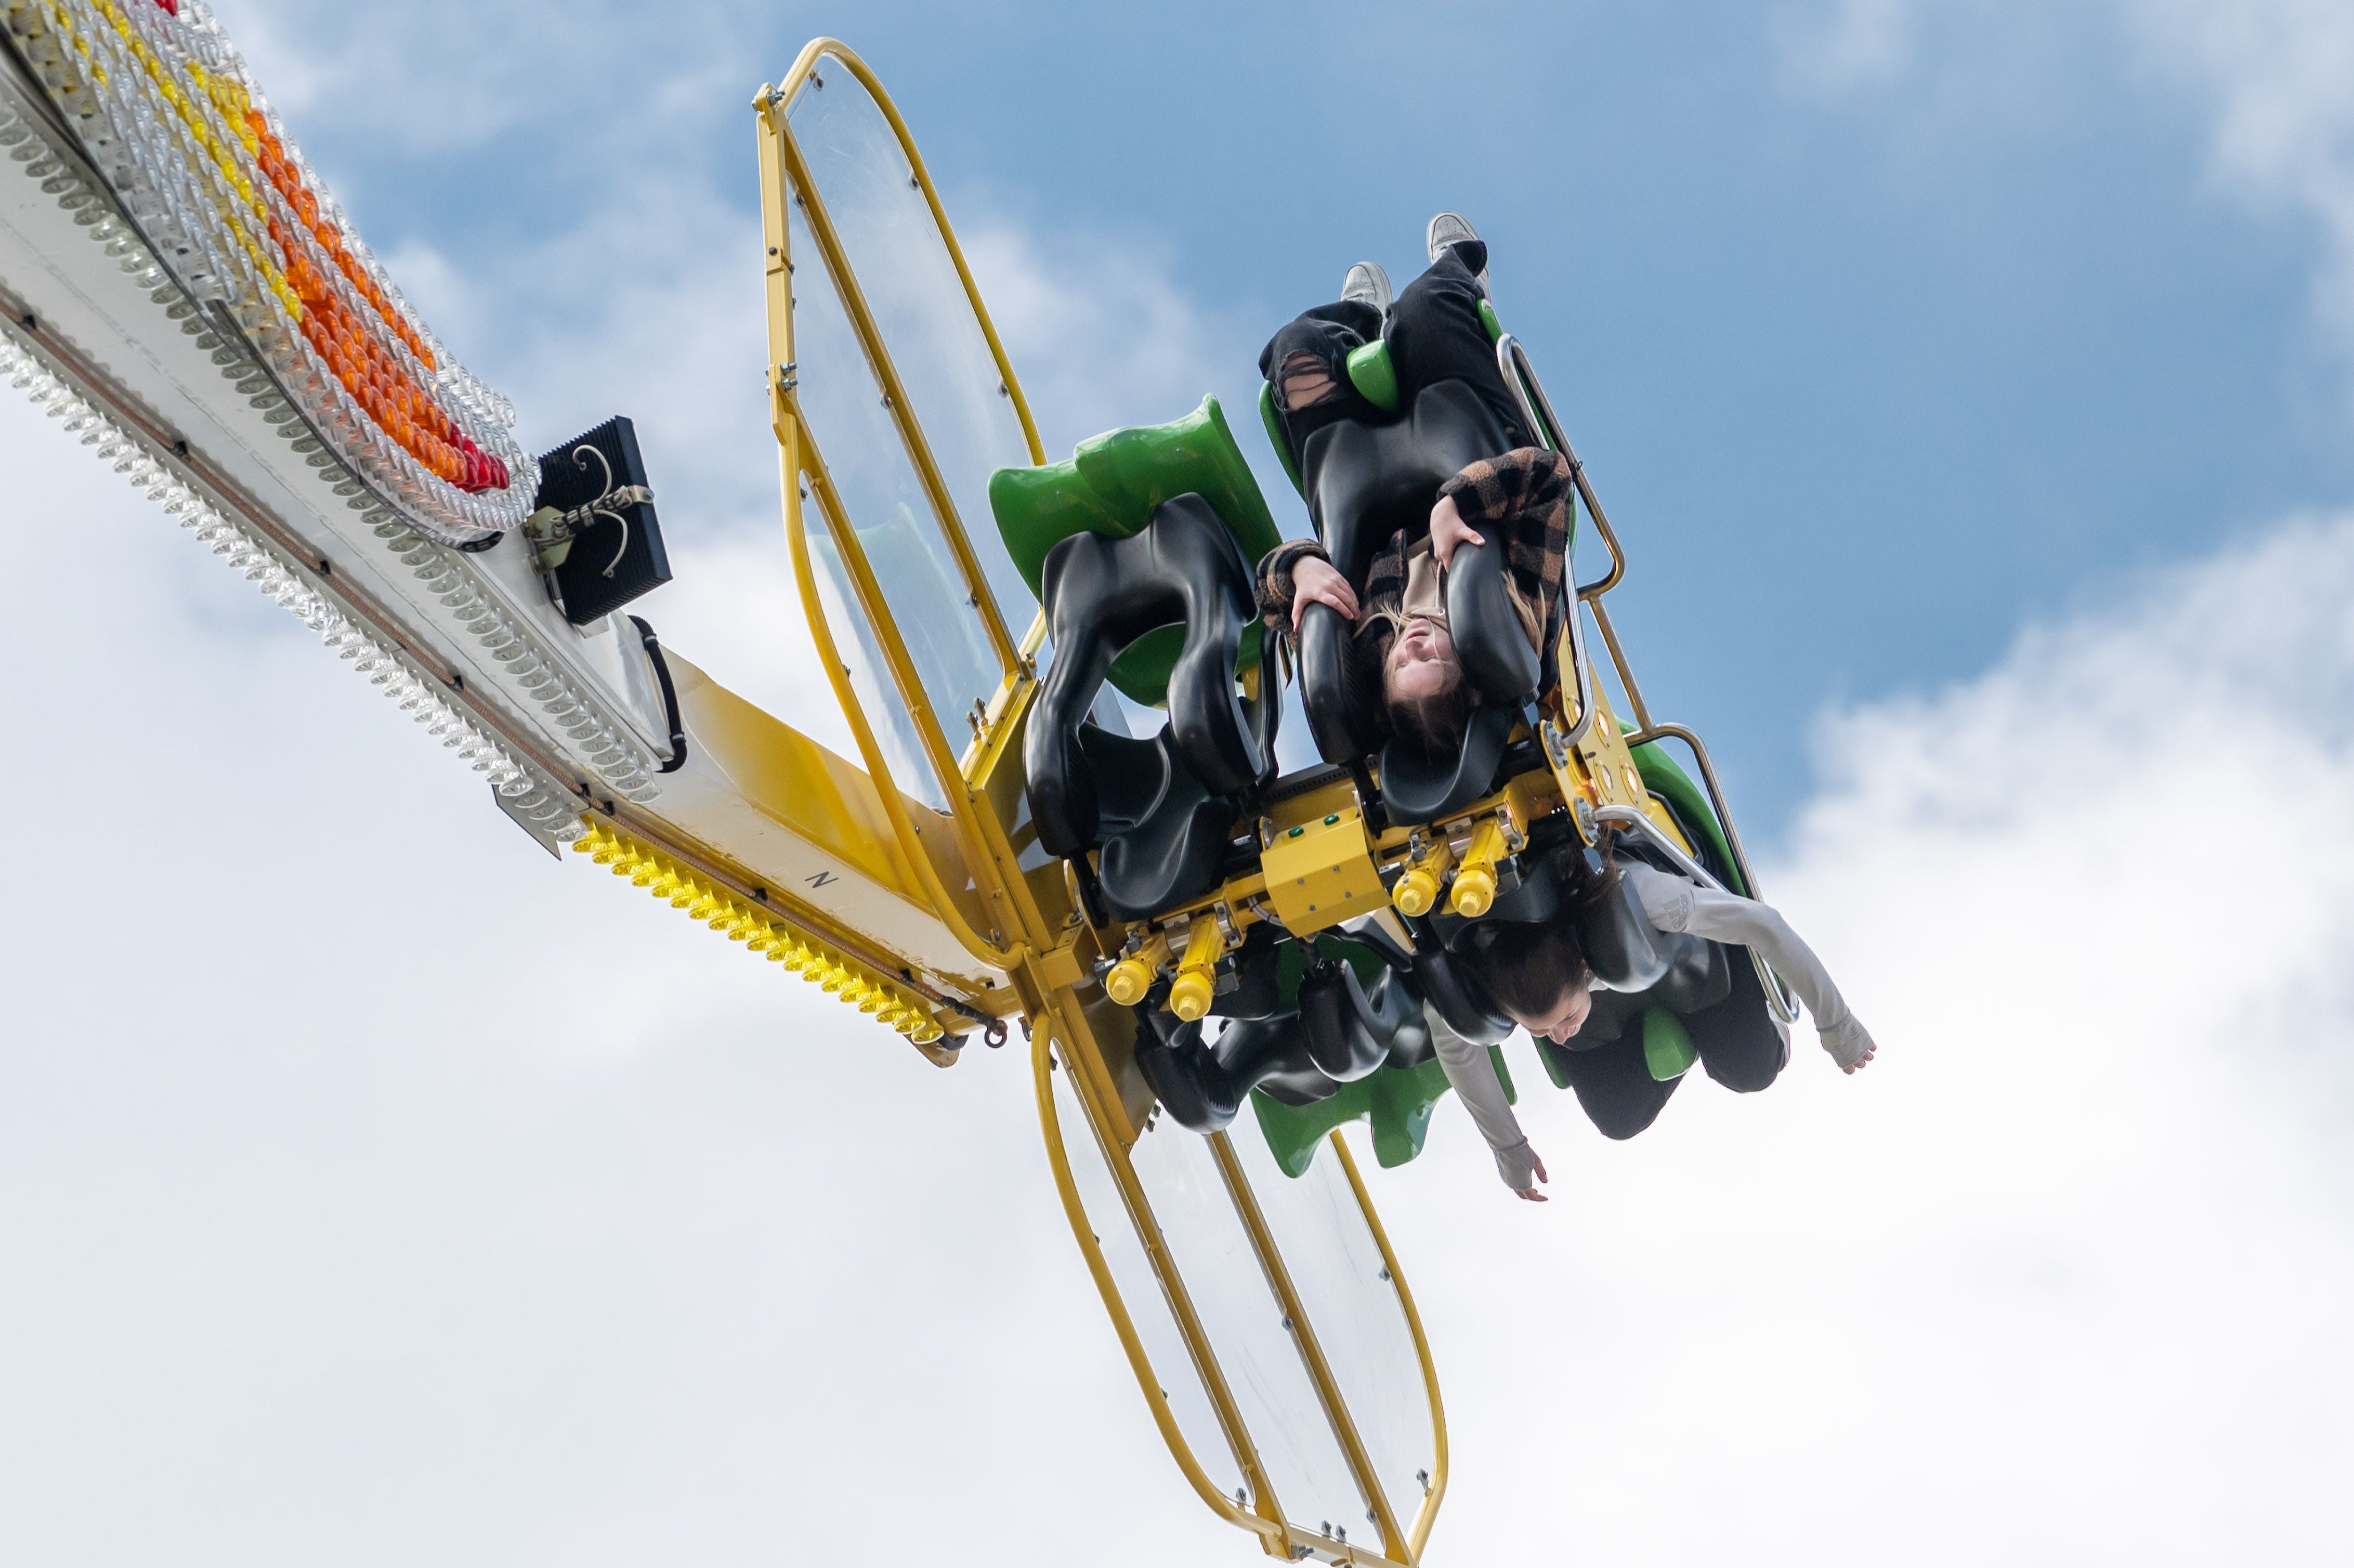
1367,281
1451,228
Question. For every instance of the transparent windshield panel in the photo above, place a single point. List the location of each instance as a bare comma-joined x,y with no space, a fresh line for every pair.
1243,1321
860,446
1359,1318
909,280
870,676
1139,1291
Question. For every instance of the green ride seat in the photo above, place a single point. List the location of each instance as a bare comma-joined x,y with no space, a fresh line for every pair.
1396,1101
1689,806
1110,485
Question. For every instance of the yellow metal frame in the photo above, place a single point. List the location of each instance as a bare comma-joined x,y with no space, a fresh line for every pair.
1401,1548
1046,951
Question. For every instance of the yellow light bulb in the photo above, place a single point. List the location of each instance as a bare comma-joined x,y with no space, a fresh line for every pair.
1190,992
1475,891
1129,981
1416,892
1475,885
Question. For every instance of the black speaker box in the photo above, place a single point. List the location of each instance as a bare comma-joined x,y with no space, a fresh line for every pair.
611,562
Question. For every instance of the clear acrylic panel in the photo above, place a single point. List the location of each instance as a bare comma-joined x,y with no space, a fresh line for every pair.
909,279
870,675
860,446
1246,1324
1139,1290
1359,1318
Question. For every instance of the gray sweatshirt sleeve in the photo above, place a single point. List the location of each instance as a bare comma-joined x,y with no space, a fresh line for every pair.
1674,905
1471,1073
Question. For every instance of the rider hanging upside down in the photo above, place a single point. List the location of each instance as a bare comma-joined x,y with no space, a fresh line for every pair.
1537,975
1397,611
1400,618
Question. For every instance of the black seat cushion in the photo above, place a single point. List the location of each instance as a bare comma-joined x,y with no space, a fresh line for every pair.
1369,482
1158,808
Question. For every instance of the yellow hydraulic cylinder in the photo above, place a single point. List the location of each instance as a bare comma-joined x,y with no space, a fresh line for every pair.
1197,980
1416,892
1475,885
1132,977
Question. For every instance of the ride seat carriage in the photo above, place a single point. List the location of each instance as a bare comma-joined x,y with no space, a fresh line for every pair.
1141,547
1364,481
1232,885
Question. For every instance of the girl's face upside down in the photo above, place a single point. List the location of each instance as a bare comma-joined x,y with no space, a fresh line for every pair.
1421,663
1565,1018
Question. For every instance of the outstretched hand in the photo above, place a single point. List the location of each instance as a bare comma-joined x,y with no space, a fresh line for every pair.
1530,1193
1315,581
1448,530
1851,1045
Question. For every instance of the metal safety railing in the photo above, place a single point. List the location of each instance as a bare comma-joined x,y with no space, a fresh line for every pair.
1521,375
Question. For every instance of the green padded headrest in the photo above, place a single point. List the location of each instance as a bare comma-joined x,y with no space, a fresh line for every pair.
1109,485
1374,375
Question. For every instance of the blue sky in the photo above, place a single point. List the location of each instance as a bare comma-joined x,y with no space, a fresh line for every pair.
1883,330
1971,382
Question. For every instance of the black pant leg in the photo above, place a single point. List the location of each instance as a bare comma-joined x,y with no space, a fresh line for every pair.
1614,1086
1329,332
1436,334
1737,1039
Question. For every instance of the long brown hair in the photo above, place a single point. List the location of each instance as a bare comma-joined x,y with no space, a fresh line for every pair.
1433,725
1529,965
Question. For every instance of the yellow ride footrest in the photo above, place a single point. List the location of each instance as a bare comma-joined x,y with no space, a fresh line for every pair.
759,930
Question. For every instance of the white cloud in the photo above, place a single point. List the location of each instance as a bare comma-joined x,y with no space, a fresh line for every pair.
1102,335
442,76
2273,80
2062,1275
2278,76
1858,42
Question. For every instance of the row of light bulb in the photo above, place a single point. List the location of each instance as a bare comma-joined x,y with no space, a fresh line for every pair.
758,930
149,92
619,755
205,41
259,562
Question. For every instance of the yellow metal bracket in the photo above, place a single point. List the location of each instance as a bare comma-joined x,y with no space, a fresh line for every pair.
1322,873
